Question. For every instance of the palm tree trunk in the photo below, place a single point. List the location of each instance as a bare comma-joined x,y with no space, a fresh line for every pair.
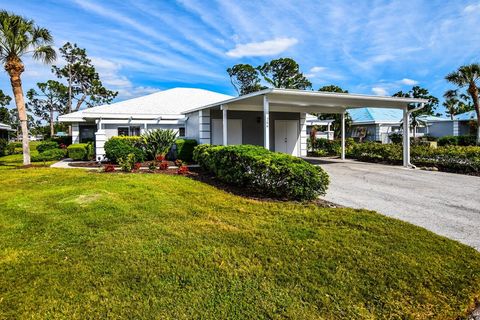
473,91
15,67
52,129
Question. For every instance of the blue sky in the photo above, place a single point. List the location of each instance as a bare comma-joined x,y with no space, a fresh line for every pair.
371,47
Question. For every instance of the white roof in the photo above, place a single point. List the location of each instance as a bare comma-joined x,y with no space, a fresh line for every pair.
167,104
4,126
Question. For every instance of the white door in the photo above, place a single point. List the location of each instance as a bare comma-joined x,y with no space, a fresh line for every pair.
286,136
234,131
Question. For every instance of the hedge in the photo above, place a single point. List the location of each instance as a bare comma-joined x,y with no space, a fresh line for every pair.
50,155
456,159
14,148
80,151
3,147
47,145
457,141
269,173
120,147
185,149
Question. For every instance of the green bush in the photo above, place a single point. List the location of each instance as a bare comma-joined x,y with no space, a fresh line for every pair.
50,155
80,151
269,173
14,148
457,141
128,163
185,149
458,159
47,145
396,137
3,147
157,142
120,147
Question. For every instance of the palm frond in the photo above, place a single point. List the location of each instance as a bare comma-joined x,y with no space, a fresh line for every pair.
45,53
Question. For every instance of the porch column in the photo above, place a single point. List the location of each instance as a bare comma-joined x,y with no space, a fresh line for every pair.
343,136
406,138
266,123
224,124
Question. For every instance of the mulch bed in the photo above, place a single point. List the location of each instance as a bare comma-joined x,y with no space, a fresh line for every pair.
94,164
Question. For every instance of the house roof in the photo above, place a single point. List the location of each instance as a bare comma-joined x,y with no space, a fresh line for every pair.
4,126
167,104
375,115
292,100
469,115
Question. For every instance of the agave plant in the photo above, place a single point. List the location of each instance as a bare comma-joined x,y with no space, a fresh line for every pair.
158,142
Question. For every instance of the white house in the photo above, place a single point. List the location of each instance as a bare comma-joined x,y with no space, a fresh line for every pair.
273,118
4,131
160,110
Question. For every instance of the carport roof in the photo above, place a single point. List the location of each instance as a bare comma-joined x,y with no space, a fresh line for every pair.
309,101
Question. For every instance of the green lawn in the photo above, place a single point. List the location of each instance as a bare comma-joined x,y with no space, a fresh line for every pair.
77,245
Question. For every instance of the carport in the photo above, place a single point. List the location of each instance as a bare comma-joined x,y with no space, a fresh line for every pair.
283,105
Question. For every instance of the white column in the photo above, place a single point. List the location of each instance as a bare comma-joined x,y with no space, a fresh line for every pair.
343,136
224,125
406,138
100,138
266,123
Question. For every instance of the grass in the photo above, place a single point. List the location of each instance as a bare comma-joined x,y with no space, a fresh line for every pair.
16,160
77,244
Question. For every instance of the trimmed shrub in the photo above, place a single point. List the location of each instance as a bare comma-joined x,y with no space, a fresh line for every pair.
80,151
120,147
158,142
185,149
269,173
50,155
3,147
457,141
47,145
127,164
14,148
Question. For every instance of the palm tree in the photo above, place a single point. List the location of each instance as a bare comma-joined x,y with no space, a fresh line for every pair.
467,76
18,37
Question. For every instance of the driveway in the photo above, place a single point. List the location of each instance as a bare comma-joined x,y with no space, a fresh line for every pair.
445,203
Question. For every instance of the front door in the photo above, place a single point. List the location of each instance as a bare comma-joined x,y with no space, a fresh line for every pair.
286,136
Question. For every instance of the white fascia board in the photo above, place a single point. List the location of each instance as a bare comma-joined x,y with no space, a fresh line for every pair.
67,119
144,121
132,116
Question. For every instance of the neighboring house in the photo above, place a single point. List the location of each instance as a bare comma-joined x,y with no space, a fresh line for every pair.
4,131
313,121
459,126
160,110
273,118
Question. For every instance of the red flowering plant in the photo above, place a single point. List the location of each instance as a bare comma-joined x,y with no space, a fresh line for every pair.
109,168
183,170
163,165
160,157
62,146
137,166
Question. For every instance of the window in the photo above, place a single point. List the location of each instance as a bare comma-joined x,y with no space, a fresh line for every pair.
128,131
87,133
123,131
181,132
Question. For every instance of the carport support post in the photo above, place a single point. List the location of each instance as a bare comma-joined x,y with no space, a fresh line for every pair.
343,136
266,123
224,124
406,138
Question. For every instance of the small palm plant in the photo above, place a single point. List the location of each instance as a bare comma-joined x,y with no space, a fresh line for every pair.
158,142
18,37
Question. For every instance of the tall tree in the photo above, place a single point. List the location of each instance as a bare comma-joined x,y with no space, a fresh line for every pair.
49,101
337,118
467,77
20,36
428,109
4,112
244,78
284,73
83,82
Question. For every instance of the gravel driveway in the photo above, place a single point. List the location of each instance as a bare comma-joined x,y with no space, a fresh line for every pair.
445,203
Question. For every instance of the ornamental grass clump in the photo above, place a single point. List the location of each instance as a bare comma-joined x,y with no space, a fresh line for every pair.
157,142
269,173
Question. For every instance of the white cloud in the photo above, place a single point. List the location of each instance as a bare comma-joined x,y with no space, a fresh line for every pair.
408,82
472,8
322,74
264,48
379,91
317,69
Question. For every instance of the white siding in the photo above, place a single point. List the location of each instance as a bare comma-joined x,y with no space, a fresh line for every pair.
204,126
192,126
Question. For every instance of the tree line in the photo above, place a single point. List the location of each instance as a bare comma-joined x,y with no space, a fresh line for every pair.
285,73
77,82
